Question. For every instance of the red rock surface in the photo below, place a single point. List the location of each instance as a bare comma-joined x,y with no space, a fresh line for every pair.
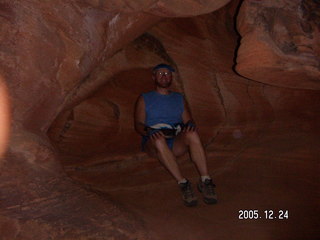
74,70
280,43
4,118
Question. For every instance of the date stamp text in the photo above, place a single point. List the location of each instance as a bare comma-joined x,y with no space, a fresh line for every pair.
265,214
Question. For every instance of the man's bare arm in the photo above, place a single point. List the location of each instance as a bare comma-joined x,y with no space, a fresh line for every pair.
139,116
186,115
187,118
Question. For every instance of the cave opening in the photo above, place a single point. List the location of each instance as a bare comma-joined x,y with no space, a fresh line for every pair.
96,131
132,64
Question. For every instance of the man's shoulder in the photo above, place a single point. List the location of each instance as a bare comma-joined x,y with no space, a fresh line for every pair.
177,94
147,93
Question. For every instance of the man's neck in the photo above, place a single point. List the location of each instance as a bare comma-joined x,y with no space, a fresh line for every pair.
163,91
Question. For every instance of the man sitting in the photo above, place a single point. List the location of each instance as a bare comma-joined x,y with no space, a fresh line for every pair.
168,131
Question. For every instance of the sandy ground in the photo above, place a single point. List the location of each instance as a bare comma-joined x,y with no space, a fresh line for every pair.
279,172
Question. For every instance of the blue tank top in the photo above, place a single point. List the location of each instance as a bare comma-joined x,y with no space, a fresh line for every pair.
163,108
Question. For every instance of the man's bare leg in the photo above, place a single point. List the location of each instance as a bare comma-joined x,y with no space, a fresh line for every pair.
158,147
192,140
198,156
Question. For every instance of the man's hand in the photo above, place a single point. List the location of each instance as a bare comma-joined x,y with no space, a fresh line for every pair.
189,127
156,134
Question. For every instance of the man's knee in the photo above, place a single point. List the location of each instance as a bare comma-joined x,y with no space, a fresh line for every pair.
159,143
192,137
155,146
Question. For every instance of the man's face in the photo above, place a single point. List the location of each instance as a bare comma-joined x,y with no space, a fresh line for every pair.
163,77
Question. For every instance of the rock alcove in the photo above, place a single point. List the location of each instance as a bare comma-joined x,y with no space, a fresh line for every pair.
74,170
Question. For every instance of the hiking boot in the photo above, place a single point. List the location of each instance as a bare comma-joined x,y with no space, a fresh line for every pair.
188,196
207,190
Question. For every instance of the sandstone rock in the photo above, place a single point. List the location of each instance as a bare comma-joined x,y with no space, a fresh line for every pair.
74,69
164,8
4,118
280,43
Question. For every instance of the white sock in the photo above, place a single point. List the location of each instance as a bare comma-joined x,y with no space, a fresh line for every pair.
182,181
203,178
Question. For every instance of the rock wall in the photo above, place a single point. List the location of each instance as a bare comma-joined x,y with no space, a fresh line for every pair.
75,68
48,50
282,37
